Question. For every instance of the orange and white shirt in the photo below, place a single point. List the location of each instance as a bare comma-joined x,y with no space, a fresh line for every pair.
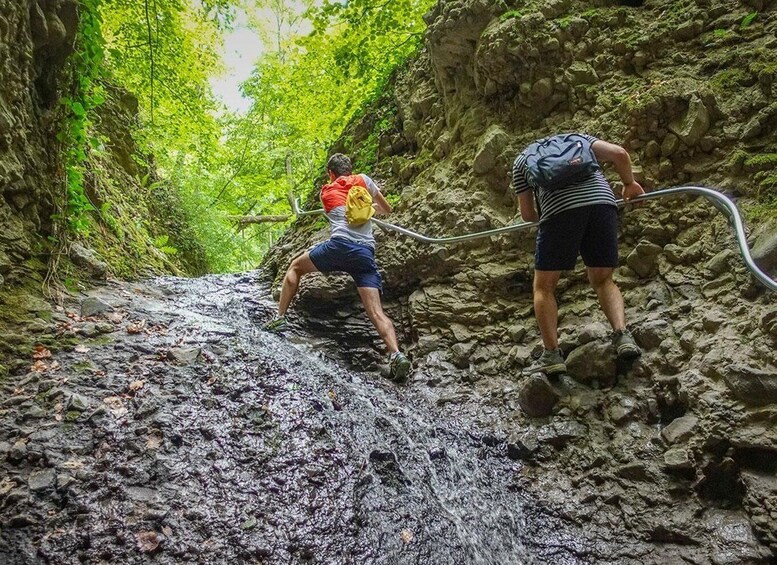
333,197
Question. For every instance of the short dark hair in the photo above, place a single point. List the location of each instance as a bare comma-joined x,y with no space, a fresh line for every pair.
339,164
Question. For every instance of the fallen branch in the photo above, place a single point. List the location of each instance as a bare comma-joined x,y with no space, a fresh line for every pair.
244,220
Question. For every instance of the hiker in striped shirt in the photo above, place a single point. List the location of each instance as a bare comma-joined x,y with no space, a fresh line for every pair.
579,217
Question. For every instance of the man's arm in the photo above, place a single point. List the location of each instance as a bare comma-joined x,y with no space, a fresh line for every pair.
610,153
382,205
526,204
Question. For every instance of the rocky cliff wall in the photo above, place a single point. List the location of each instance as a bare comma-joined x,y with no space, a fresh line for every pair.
680,449
137,220
35,40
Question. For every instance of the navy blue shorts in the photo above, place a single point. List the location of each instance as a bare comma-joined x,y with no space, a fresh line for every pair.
357,260
591,231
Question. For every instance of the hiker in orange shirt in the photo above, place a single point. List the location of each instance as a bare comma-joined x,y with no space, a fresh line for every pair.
351,249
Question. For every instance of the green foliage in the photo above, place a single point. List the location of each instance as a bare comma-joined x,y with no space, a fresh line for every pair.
392,199
509,15
748,19
161,243
382,114
762,162
87,94
164,52
720,33
728,79
207,166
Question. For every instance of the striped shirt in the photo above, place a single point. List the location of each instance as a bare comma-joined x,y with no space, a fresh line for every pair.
593,189
333,198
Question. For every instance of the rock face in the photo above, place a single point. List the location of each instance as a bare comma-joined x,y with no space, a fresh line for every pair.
36,39
663,79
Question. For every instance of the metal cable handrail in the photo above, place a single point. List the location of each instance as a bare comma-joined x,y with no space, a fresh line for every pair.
721,202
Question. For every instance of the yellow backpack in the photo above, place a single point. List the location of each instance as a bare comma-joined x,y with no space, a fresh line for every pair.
358,206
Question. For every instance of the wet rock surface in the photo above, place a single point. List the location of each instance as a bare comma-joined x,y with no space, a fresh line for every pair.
257,448
268,448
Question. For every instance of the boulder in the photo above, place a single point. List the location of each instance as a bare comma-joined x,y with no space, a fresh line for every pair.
78,402
689,29
516,333
462,353
522,445
669,146
91,306
554,8
753,386
580,73
759,124
42,480
537,397
643,260
764,250
680,429
720,263
677,459
542,89
622,409
650,334
769,323
428,343
183,355
593,361
558,434
593,332
87,259
696,122
491,145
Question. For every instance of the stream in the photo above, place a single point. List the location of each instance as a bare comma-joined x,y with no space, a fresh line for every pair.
177,430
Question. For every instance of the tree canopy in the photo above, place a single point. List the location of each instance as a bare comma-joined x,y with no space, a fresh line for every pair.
321,63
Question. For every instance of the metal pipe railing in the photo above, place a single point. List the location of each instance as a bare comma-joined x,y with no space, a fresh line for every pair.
721,202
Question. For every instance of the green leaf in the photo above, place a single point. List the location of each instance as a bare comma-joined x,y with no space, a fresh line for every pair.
748,19
78,109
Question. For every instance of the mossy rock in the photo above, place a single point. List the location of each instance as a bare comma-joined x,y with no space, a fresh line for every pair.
19,305
762,162
72,415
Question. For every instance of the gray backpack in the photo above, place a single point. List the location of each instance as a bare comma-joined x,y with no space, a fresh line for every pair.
554,162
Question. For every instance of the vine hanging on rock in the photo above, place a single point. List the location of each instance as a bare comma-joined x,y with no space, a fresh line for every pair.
87,93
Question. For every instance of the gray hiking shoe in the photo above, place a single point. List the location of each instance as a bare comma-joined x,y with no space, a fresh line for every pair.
399,367
277,324
550,362
627,349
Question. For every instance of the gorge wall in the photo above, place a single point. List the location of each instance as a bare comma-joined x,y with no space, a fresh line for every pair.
136,227
35,40
680,450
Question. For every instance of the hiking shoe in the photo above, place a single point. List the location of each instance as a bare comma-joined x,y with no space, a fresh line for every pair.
277,324
399,367
550,362
627,349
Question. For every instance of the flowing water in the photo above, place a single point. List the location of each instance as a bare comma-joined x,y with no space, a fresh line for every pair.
262,449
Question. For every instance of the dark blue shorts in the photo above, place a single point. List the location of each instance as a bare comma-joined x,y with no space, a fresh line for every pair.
357,260
591,231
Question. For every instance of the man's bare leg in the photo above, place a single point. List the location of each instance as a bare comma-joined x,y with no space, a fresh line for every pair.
545,307
610,297
302,265
371,300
